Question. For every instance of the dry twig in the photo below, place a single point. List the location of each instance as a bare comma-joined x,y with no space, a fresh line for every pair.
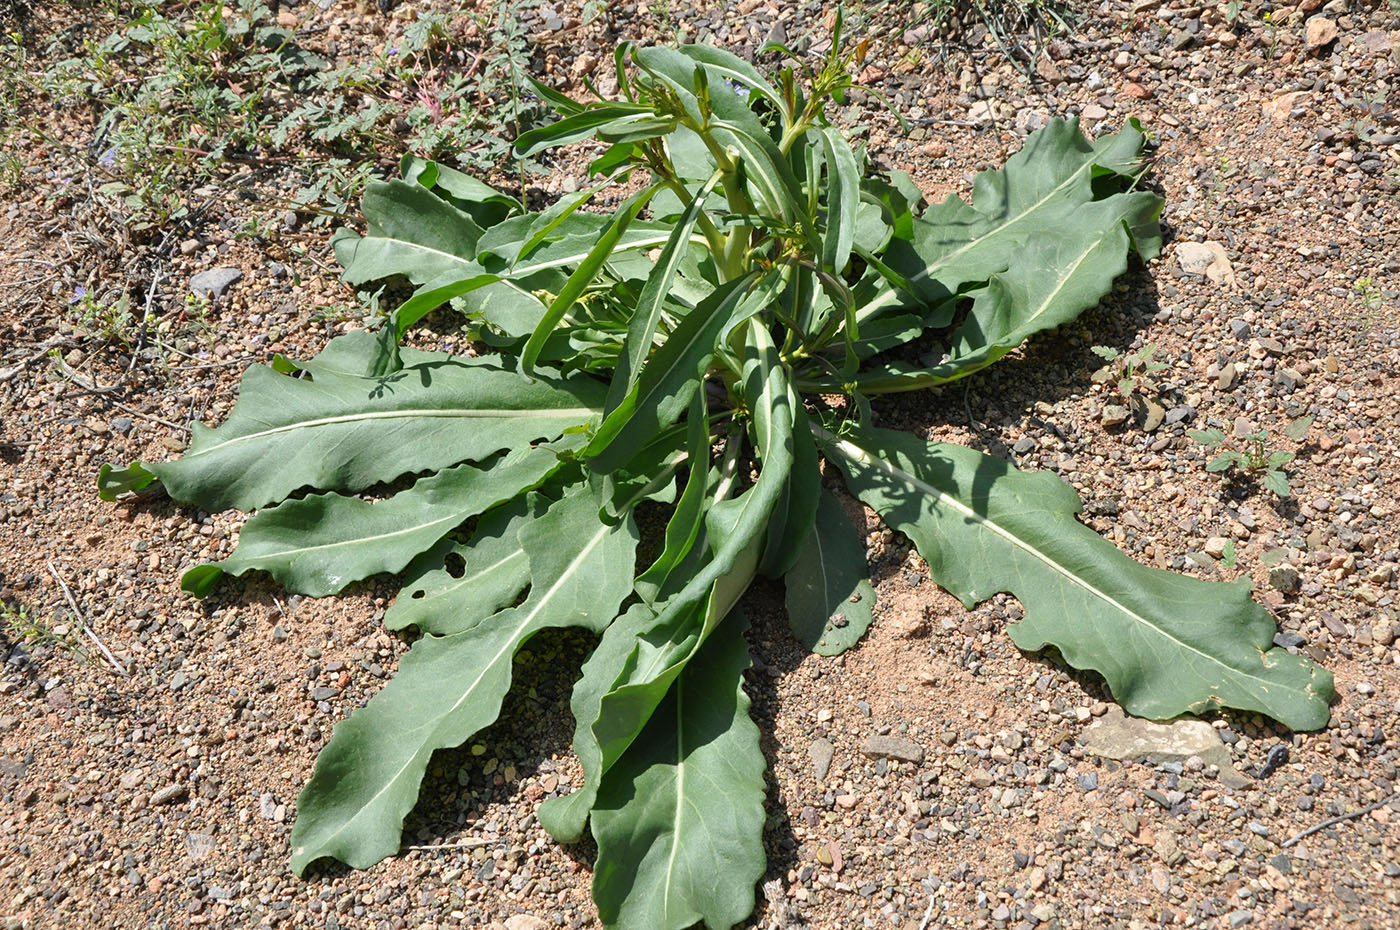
82,621
1333,821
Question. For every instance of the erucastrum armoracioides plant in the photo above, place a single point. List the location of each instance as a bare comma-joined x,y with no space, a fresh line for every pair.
705,347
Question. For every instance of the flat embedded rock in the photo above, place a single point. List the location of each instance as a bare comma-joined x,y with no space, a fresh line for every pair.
821,752
892,747
1118,736
215,282
527,922
1207,258
1319,33
1281,107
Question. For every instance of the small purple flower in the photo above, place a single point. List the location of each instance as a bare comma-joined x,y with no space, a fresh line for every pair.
392,50
79,293
108,158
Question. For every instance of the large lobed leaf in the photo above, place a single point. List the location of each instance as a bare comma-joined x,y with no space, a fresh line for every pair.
322,542
342,431
679,818
449,687
1043,240
1167,644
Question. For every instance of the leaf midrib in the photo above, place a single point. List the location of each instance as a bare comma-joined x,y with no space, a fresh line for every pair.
1001,229
421,413
887,292
680,798
854,453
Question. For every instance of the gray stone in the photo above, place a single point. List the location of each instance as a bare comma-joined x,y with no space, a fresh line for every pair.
1148,413
892,747
1288,380
215,282
121,425
1284,578
167,794
1115,415
1240,918
1117,736
821,752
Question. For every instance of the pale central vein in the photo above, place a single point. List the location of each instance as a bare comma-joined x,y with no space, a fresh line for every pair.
855,453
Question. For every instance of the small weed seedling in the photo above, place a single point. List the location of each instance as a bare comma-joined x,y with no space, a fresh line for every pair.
1131,371
1253,455
23,624
1228,556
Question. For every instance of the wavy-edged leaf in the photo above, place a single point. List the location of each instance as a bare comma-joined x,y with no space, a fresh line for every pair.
1052,280
679,819
1037,195
448,688
640,656
1166,643
332,432
412,232
320,543
482,202
454,586
829,595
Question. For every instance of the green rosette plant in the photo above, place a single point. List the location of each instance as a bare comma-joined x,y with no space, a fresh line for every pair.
706,347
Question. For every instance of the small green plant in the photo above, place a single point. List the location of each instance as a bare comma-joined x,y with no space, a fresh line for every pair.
1253,454
1228,556
179,91
1271,30
1232,11
24,624
701,350
1131,371
1368,293
108,321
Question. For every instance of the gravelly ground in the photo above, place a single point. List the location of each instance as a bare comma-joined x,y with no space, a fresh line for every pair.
165,799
